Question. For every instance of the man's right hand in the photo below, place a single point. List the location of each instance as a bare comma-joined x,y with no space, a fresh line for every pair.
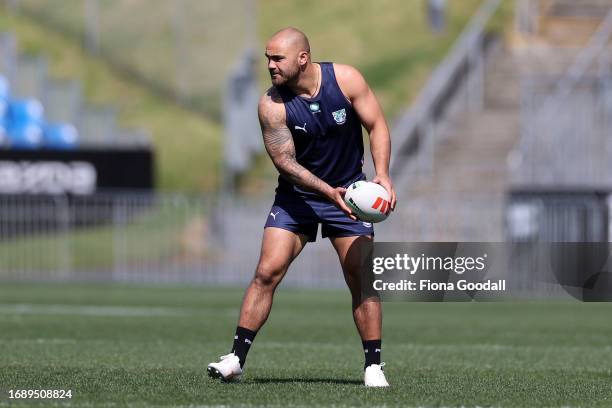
337,198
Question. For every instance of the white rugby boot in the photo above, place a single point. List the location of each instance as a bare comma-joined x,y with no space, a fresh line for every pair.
374,376
227,369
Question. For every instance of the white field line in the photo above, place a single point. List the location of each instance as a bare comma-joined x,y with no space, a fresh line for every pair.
38,341
242,405
449,347
90,310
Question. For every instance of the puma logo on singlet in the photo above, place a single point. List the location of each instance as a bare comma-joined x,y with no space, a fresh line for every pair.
274,215
301,128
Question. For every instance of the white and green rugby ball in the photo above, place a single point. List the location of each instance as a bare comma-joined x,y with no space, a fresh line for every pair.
369,201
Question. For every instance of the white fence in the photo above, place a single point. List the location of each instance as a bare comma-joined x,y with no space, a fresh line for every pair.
176,238
154,239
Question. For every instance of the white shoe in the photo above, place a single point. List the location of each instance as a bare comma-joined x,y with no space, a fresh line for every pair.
228,368
374,376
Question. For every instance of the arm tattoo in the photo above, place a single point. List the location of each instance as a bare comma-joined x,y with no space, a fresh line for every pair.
275,138
279,145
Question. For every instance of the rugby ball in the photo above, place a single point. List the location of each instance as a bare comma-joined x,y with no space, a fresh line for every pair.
369,201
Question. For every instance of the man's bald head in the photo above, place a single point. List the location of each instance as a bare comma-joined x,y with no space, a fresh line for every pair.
293,38
288,54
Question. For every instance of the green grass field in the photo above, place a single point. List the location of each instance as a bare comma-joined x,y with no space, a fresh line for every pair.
117,346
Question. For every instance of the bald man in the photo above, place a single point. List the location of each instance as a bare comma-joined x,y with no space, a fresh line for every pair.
311,122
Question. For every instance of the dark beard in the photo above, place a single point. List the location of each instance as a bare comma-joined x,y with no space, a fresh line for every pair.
289,79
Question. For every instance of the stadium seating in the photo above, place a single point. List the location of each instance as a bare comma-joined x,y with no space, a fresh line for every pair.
41,112
23,124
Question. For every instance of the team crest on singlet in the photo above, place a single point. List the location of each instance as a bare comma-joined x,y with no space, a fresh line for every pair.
339,116
314,107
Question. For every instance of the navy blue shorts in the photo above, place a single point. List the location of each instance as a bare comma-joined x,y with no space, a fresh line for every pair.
303,216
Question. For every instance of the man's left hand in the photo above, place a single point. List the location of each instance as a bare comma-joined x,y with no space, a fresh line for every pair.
385,181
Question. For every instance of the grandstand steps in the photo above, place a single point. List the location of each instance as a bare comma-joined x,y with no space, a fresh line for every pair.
571,22
565,23
577,9
471,153
503,81
462,196
545,60
568,31
502,85
463,178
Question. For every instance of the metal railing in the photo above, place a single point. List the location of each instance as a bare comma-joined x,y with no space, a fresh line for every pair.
527,13
460,74
102,237
567,121
559,237
169,238
178,238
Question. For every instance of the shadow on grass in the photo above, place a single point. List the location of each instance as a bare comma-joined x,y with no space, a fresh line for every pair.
305,380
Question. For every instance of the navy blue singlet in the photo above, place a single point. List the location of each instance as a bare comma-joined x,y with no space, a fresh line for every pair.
326,132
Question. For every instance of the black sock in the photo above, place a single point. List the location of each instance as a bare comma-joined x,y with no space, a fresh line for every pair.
371,349
242,343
